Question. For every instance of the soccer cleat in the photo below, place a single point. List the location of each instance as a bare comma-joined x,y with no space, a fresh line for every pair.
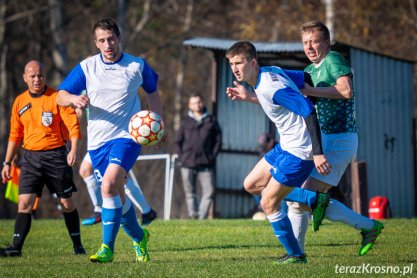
94,219
319,209
369,237
104,255
147,218
10,251
79,250
287,259
141,249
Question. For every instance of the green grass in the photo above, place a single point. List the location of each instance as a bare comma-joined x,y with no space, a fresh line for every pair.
213,248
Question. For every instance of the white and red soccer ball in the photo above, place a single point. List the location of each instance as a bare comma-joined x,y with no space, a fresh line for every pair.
146,128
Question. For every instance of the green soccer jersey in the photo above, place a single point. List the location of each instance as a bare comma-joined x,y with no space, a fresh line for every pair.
335,115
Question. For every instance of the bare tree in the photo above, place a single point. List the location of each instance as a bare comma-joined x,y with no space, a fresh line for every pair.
59,51
181,65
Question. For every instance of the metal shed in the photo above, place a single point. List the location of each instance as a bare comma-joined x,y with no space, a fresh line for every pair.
384,97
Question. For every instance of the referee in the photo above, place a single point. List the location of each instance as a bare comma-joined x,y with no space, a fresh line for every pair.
41,127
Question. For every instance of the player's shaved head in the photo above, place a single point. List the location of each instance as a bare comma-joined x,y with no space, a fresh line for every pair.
34,76
33,64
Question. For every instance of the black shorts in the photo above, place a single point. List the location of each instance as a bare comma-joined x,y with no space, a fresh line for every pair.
50,168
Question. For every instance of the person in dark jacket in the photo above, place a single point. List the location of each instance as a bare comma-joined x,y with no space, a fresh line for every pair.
197,145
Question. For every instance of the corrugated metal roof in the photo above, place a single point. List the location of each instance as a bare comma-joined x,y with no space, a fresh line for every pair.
224,44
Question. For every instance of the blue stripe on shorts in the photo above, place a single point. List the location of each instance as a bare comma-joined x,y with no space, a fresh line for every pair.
287,169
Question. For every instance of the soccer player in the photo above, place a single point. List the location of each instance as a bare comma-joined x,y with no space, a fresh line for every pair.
41,128
112,79
133,192
332,78
289,163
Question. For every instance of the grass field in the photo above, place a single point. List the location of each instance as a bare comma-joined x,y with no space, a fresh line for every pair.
213,248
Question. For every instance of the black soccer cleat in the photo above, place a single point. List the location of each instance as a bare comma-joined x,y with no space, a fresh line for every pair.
10,251
147,218
79,250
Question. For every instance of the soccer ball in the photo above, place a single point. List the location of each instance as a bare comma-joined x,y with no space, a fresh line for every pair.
146,128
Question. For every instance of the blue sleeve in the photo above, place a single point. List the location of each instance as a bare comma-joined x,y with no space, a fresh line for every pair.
297,76
293,101
150,79
75,82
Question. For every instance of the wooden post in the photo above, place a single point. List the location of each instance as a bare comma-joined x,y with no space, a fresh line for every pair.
359,187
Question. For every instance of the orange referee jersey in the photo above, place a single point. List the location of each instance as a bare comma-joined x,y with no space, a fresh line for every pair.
41,123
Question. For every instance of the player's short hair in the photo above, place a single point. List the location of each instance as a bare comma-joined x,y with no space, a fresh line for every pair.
107,24
242,47
316,26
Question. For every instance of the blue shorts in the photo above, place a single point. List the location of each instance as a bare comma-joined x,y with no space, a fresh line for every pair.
122,151
287,169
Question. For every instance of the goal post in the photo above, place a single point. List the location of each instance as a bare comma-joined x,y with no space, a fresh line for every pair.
168,178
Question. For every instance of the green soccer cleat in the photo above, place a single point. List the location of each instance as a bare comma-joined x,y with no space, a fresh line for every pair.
369,237
287,259
319,209
104,255
141,249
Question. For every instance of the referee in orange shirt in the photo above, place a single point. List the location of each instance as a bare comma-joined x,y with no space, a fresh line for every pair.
41,127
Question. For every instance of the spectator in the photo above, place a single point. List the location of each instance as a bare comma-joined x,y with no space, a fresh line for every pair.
197,144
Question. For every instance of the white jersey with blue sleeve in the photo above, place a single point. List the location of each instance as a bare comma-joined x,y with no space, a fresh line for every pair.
113,92
286,107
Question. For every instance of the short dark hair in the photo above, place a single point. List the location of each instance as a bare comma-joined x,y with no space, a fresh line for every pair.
242,47
107,24
193,95
316,26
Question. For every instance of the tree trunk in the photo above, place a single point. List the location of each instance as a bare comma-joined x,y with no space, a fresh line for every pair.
59,52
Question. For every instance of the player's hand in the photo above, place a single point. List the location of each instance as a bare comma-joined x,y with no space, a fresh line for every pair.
80,101
238,92
322,165
71,158
5,173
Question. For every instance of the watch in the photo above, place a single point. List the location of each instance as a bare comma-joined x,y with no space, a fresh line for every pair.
6,163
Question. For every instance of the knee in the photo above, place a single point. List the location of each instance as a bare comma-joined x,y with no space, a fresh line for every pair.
25,207
67,205
250,186
86,170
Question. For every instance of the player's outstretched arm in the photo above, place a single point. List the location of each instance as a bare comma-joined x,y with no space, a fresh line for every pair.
65,99
341,90
240,93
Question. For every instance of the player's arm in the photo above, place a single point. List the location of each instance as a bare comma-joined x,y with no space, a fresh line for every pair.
320,161
240,93
341,90
70,119
154,102
66,99
296,103
69,91
15,140
12,148
72,154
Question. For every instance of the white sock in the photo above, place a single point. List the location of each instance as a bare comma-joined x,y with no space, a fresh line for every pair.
299,223
95,192
338,212
135,195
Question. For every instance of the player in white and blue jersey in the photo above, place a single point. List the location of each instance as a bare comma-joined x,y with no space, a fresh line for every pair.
112,80
289,164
